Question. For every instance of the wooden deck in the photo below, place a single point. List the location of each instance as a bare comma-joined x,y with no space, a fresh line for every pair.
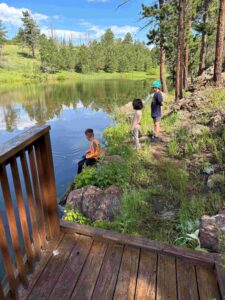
71,261
99,265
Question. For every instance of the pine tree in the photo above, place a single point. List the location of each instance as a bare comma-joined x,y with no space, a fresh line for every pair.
180,51
219,44
3,33
29,32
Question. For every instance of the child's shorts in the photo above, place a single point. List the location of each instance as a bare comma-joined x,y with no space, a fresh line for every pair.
156,119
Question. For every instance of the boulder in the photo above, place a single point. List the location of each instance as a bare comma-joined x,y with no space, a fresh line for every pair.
216,181
95,203
210,229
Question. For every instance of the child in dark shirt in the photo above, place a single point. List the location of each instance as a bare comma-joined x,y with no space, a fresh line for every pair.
92,155
156,111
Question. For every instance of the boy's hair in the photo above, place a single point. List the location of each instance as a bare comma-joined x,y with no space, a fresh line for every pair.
89,132
138,104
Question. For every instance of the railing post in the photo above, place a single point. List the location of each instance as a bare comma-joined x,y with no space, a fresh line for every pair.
47,182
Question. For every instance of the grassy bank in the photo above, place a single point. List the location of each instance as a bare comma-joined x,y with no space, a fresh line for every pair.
155,178
17,66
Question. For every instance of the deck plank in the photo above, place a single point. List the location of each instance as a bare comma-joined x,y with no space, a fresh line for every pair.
207,284
89,275
52,271
166,278
146,283
72,270
126,282
186,281
106,283
45,257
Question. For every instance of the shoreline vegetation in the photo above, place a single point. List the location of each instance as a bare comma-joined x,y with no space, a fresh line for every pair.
164,185
19,68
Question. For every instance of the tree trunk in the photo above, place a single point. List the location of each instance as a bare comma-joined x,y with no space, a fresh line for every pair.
180,52
202,64
219,44
162,55
33,51
186,55
162,69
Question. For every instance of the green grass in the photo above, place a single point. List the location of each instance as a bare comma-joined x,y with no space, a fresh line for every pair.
146,181
16,66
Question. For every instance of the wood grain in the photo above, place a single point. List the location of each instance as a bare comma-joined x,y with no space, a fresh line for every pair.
127,278
35,180
15,145
186,281
30,199
2,295
89,275
140,242
53,270
40,266
9,269
70,274
166,278
207,284
146,282
107,279
12,224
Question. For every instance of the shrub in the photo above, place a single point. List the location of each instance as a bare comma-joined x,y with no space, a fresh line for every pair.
113,173
104,175
73,215
87,177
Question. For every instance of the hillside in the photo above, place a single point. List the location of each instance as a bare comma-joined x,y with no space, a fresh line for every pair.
17,66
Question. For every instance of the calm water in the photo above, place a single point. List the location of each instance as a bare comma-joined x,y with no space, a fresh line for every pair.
69,108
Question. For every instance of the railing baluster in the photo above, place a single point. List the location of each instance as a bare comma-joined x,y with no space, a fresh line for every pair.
31,206
52,188
7,261
47,182
12,224
39,181
22,211
37,196
2,296
43,188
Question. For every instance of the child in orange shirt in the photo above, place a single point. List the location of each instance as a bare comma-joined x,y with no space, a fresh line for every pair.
92,155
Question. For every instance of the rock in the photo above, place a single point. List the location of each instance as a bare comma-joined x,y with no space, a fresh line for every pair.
210,229
208,170
113,159
165,209
95,203
216,119
216,181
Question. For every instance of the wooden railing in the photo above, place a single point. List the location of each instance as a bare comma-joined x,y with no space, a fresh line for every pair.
29,157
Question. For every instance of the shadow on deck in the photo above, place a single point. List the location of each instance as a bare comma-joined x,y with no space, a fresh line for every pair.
71,261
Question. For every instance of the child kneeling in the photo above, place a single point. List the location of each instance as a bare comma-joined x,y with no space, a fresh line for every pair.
92,155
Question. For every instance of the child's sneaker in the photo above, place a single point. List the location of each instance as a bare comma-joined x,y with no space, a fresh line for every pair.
155,139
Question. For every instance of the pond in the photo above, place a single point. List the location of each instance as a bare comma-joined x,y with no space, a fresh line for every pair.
70,108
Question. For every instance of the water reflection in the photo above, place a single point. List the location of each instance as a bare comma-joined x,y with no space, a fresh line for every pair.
69,107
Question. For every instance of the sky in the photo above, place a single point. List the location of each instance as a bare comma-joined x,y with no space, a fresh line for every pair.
80,20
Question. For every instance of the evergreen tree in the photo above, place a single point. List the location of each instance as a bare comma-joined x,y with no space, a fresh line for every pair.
3,33
108,55
219,53
110,49
30,32
180,51
128,39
